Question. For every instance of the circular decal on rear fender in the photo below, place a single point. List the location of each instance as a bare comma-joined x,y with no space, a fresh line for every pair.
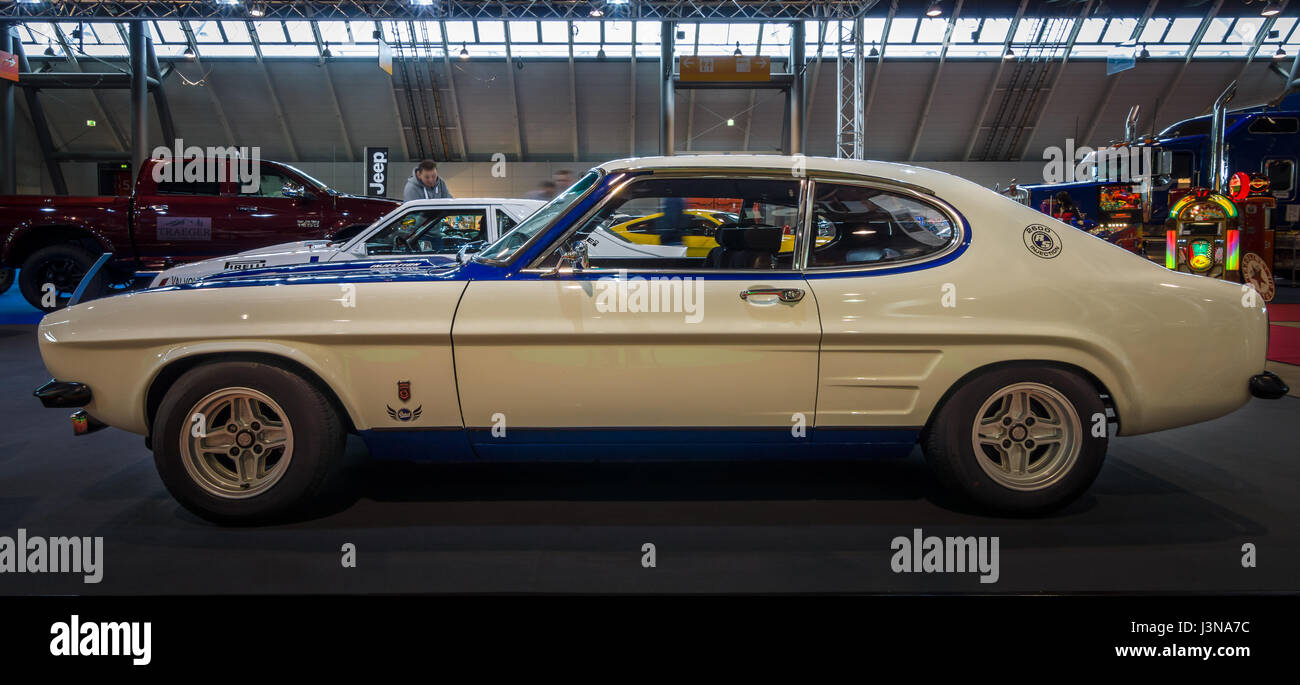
1042,241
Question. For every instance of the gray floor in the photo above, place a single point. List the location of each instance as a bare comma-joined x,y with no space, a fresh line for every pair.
1169,513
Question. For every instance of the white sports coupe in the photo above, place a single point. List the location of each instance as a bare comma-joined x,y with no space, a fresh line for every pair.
419,228
913,307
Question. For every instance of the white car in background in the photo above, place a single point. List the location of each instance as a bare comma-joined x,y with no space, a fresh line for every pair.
419,228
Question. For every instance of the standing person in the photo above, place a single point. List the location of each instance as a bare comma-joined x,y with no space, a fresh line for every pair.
545,191
424,183
563,179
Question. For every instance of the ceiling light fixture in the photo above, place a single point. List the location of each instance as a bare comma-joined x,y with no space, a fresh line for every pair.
1271,9
189,53
874,52
935,9
1280,53
737,52
464,51
1009,54
1145,54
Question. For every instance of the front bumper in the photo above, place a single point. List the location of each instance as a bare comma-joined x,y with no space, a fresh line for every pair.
63,394
1268,385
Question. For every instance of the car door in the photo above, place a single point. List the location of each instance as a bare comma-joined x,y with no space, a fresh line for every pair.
438,230
888,309
280,209
647,356
181,221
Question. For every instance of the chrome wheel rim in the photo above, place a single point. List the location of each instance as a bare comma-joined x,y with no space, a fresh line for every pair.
1027,436
246,447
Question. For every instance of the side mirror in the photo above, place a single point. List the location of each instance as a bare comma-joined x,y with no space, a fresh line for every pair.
297,192
574,256
463,254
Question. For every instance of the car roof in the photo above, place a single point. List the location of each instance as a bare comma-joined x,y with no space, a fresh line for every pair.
443,201
899,173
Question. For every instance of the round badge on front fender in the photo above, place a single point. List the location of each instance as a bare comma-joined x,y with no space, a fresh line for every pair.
1042,241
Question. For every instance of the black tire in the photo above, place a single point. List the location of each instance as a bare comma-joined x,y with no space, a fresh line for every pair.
6,278
950,449
317,432
62,265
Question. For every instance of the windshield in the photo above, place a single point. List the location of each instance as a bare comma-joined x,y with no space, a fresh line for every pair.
309,178
538,221
1196,127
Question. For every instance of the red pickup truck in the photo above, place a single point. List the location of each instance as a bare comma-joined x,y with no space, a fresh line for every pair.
57,239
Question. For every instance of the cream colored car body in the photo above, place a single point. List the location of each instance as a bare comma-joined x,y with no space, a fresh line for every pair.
865,350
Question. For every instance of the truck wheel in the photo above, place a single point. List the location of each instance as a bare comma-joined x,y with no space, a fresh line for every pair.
6,278
63,266
242,443
1019,440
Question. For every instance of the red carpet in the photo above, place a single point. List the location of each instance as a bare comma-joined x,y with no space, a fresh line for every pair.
1284,344
1284,312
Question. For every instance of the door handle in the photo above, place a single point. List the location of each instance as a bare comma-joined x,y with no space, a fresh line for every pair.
783,294
158,208
246,208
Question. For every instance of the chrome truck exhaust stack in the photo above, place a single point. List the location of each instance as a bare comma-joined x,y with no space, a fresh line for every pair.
1217,124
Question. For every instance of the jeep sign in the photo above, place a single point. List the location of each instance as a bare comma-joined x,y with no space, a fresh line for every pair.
376,180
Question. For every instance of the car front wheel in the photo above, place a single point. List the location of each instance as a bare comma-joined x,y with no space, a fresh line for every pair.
1020,439
246,443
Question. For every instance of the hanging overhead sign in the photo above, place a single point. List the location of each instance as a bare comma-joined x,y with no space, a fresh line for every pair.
8,65
376,178
725,68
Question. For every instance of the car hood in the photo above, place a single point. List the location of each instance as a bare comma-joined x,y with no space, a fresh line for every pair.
298,247
284,254
428,267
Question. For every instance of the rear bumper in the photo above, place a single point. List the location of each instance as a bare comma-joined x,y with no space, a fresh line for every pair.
63,394
1268,385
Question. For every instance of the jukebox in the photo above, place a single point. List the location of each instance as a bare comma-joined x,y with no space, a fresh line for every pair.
1203,236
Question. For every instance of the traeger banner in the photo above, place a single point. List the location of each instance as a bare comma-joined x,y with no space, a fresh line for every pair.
376,171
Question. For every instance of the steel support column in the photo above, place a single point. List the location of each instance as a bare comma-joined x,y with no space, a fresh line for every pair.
8,142
667,39
796,99
139,97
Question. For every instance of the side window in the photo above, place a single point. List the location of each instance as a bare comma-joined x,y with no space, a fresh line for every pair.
860,226
1275,125
429,231
272,184
1281,174
1182,166
676,223
189,188
504,223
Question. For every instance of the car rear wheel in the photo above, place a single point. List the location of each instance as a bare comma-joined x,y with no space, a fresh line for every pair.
61,267
1020,440
246,443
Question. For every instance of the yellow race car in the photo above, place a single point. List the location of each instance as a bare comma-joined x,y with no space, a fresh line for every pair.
696,233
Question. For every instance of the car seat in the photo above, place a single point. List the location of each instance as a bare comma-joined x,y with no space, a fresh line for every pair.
744,248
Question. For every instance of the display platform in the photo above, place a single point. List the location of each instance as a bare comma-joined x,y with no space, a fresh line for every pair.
1169,513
